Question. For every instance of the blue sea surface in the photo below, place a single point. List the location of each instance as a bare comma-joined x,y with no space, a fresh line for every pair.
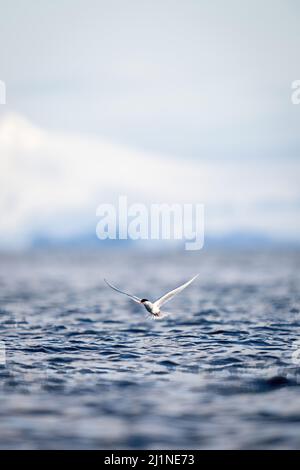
81,367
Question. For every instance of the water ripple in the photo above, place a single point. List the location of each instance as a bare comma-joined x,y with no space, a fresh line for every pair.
84,368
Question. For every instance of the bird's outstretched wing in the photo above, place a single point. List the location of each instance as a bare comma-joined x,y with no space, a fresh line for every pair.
133,297
165,298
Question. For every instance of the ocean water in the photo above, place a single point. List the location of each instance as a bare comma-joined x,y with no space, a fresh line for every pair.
81,367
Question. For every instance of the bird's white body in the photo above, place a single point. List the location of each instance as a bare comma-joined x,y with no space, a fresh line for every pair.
154,307
151,308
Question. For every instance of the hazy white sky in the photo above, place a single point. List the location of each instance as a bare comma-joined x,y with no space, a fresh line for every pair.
188,78
198,88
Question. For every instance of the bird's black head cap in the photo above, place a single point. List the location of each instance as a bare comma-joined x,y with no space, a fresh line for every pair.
144,300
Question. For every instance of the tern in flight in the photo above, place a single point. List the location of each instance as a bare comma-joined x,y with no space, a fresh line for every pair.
154,307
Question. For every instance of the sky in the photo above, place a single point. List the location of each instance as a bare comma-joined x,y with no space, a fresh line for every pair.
190,85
